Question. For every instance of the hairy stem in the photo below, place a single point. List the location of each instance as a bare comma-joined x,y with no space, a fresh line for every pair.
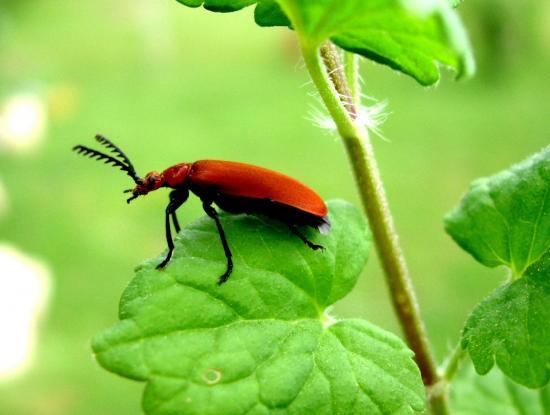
351,70
329,78
339,79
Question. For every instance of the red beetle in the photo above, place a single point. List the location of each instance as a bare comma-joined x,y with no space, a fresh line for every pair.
234,187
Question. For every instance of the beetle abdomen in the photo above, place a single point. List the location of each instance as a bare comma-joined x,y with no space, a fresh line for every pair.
273,209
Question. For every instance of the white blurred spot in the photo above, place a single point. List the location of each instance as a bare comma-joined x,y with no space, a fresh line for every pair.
373,116
327,318
369,116
157,29
24,287
22,122
421,7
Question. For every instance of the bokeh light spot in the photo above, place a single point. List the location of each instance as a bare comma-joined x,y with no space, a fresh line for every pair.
24,288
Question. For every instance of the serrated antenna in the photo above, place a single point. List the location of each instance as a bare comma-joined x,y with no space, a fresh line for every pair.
98,155
115,149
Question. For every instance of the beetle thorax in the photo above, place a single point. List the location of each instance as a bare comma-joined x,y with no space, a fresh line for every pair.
176,175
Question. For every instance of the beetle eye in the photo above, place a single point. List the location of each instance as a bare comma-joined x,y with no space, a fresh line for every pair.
151,181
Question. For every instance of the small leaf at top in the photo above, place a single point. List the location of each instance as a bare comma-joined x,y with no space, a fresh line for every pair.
262,343
495,394
218,5
415,37
412,36
505,220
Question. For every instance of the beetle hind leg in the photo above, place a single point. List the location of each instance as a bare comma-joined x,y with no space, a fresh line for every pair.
303,238
210,211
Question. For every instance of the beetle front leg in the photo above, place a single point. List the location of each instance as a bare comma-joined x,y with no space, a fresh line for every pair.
169,240
176,223
210,211
177,198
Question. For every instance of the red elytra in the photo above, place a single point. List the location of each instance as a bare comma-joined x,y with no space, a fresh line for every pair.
234,187
248,181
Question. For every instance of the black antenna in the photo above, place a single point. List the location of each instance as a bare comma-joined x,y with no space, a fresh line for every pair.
98,155
115,149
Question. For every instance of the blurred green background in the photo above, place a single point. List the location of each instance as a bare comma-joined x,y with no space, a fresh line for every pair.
171,84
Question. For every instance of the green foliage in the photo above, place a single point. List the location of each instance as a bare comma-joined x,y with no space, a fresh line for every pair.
262,343
511,326
496,394
505,220
412,36
218,5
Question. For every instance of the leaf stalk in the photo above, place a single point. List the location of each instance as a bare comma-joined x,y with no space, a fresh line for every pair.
450,366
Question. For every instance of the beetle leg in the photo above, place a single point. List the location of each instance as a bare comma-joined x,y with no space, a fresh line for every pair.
175,218
210,211
169,240
175,221
177,198
300,235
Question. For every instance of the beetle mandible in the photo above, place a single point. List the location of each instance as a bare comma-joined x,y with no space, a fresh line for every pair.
234,187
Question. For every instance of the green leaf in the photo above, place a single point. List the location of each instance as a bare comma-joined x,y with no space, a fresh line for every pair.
495,394
512,327
218,5
411,36
262,343
505,220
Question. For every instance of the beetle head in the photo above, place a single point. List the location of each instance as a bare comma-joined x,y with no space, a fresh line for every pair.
152,181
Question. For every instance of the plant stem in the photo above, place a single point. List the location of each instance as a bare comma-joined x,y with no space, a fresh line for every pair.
451,363
438,398
438,395
339,80
328,80
351,70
